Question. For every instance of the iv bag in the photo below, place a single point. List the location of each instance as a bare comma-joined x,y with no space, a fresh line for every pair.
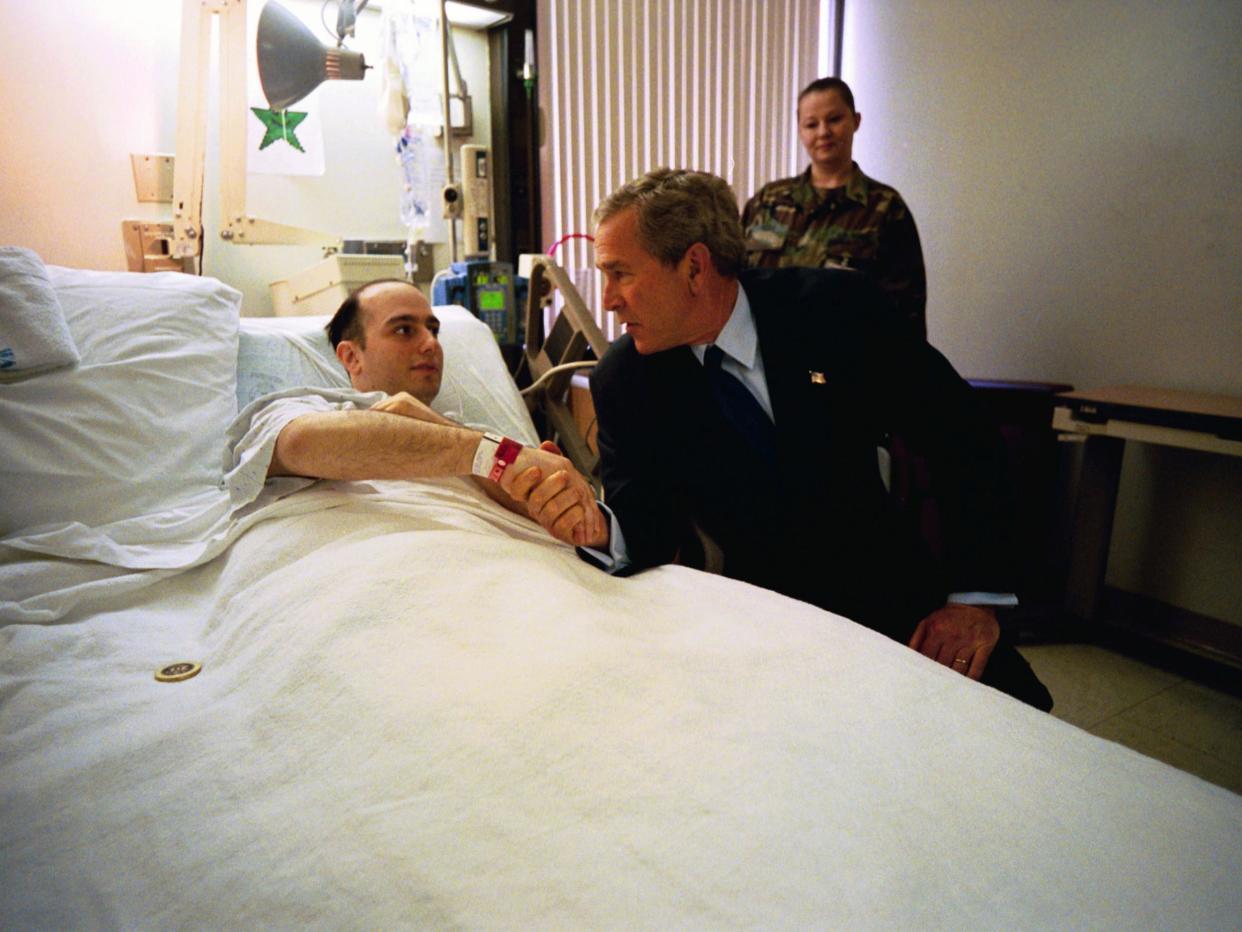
414,30
422,177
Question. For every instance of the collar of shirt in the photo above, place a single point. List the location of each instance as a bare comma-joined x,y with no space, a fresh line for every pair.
739,341
808,196
856,187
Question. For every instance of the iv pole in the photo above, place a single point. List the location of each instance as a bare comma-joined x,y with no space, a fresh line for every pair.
448,131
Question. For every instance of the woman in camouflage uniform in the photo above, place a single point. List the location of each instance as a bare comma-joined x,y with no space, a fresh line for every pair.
834,215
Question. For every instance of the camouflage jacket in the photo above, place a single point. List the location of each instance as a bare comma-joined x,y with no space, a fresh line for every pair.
864,225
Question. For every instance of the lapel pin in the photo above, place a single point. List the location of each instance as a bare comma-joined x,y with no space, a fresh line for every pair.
817,378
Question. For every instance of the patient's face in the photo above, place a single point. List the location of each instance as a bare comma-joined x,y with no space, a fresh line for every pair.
649,298
402,352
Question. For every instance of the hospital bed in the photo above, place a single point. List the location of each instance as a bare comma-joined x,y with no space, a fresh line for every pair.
412,708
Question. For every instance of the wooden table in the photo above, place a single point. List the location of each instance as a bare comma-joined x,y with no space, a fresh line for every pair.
1107,418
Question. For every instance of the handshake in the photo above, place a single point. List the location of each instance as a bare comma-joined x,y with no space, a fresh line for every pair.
535,481
556,495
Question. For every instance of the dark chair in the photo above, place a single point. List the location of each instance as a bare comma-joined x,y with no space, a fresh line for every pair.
1023,412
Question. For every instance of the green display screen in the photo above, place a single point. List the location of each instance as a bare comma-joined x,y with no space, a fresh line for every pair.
491,300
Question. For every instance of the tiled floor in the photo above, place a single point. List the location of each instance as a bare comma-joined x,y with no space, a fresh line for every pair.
1168,715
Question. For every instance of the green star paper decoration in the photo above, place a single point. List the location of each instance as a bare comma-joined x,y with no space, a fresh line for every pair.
279,125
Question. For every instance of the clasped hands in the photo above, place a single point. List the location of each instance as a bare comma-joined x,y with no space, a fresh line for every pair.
553,492
557,496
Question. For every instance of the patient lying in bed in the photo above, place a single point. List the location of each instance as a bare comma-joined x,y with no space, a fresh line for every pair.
136,465
385,335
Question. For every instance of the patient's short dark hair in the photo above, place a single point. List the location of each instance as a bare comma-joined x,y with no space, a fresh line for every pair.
830,84
345,324
678,208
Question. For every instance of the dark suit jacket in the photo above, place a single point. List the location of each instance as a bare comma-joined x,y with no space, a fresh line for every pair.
818,526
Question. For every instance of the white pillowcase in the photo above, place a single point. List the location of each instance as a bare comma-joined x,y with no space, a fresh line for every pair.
137,427
278,353
33,335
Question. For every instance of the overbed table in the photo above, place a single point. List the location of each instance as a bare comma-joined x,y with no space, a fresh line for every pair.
1107,418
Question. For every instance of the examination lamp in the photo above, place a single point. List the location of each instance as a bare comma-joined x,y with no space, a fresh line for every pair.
292,62
237,226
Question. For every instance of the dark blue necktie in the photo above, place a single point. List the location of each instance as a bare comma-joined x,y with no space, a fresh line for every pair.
740,407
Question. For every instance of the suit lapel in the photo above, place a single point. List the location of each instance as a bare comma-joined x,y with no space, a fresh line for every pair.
798,396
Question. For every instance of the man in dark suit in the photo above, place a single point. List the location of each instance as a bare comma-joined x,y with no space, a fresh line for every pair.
783,476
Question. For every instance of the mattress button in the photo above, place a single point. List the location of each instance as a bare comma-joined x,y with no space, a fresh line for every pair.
176,672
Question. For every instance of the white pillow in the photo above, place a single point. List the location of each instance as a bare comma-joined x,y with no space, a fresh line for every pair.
137,427
277,353
33,335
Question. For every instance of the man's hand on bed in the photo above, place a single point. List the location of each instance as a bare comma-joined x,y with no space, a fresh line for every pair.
961,637
557,496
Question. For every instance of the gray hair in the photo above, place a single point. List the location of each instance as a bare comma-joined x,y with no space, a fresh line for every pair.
677,208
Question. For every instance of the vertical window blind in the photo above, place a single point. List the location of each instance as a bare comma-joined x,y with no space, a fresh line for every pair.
626,86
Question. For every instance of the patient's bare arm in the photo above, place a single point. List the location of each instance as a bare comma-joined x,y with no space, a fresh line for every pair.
406,405
564,505
414,444
371,445
572,518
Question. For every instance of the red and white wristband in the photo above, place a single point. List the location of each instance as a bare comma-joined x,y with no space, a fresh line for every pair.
494,455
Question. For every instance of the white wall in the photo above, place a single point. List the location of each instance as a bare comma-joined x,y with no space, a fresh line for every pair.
87,82
1076,175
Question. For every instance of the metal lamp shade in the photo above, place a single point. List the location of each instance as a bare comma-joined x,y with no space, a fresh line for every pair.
292,62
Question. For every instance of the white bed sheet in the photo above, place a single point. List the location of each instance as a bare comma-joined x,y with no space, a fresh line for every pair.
417,710
46,571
